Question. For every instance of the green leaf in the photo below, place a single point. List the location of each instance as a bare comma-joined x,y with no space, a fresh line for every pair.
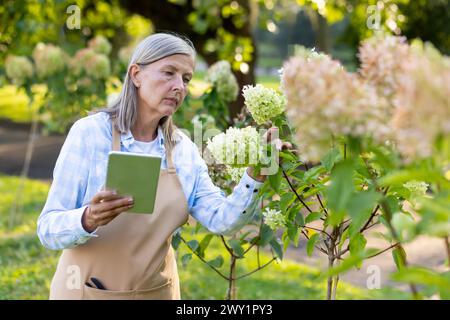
285,239
176,239
399,177
204,244
216,262
331,158
313,216
404,224
340,191
289,156
293,233
275,180
399,256
344,237
360,207
193,244
424,276
237,248
357,244
313,173
345,265
277,248
185,259
286,200
266,235
311,242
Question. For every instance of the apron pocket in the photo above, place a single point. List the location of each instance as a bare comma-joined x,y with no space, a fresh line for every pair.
90,293
162,292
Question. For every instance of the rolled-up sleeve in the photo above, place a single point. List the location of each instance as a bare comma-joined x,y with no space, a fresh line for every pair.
223,214
59,224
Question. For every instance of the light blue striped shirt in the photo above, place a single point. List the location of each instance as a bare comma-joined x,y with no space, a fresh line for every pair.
80,172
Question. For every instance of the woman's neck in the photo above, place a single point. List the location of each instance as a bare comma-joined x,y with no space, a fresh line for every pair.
146,128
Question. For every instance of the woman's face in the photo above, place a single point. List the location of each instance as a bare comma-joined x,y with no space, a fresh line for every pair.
163,85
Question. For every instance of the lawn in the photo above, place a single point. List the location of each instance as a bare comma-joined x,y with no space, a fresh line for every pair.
26,268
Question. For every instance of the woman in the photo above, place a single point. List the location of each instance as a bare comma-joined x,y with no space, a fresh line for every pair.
111,255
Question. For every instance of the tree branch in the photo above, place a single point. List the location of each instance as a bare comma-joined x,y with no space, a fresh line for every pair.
203,260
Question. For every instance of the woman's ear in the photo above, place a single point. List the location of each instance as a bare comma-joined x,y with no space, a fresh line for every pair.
135,74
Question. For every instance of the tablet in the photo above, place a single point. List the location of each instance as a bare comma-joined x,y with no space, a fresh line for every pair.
136,175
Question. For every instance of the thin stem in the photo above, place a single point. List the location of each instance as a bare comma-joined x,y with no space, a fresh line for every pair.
323,231
317,195
447,246
203,260
295,191
257,269
230,251
383,251
231,294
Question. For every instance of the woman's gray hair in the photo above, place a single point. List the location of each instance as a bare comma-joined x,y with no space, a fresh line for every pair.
151,49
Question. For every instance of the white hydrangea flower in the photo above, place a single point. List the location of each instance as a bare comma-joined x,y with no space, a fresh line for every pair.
325,102
95,65
274,218
222,78
18,69
263,103
416,187
100,45
422,110
236,173
49,59
236,147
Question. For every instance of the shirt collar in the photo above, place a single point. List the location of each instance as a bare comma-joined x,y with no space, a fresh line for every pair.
127,138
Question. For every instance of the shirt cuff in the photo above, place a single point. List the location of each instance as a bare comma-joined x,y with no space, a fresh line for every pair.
82,234
249,183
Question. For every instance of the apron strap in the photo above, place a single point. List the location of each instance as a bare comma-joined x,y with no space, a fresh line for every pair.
170,166
116,147
115,136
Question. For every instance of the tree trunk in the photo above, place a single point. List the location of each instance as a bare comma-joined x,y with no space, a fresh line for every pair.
321,31
231,294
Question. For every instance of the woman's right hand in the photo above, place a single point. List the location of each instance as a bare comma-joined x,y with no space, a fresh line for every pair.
103,208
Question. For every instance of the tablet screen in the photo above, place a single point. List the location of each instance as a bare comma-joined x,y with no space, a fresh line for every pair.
136,175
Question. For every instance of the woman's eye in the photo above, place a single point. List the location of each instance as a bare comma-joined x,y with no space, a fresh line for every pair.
168,73
186,80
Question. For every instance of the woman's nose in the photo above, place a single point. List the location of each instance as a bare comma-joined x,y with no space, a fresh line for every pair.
178,84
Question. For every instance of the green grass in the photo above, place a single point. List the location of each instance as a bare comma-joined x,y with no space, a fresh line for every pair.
26,267
14,104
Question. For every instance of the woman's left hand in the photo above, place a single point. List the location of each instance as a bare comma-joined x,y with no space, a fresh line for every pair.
272,138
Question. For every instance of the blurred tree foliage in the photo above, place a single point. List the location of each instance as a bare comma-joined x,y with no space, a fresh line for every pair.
424,19
220,29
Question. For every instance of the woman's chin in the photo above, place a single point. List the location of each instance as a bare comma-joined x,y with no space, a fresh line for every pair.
169,110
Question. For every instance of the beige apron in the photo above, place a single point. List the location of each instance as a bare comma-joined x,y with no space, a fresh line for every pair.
132,255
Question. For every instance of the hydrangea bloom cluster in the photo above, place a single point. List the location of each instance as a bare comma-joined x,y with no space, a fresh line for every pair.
49,59
383,61
18,69
236,148
95,65
100,45
263,103
326,101
222,78
423,104
274,218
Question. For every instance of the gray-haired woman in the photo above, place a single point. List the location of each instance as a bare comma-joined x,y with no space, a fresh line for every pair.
109,254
